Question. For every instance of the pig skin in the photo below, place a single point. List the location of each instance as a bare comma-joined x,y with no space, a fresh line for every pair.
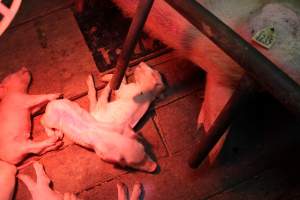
15,123
223,74
7,180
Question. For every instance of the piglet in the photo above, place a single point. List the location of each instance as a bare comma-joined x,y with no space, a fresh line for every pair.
16,107
7,180
108,129
111,142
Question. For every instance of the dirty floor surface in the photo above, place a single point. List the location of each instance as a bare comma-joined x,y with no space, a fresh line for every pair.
260,158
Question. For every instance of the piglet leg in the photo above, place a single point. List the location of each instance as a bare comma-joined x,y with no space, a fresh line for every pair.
7,180
36,102
42,147
40,189
92,96
217,94
108,77
123,191
105,95
137,191
70,196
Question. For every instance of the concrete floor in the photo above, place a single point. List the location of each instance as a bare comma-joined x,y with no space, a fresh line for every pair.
260,158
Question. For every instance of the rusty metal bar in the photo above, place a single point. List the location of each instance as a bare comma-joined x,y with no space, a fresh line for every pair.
267,74
131,40
239,99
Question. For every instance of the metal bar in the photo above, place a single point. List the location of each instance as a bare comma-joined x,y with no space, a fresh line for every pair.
131,40
267,74
239,99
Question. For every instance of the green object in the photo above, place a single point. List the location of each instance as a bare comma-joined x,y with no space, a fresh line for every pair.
265,37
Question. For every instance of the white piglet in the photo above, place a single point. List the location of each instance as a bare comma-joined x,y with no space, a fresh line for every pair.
108,130
16,107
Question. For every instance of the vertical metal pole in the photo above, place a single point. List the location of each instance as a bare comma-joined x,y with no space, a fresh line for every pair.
131,40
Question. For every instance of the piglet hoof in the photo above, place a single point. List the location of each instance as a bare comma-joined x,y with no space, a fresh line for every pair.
58,134
123,191
137,191
70,196
90,80
106,77
52,143
39,189
54,96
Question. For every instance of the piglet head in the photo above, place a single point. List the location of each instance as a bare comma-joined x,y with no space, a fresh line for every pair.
125,150
134,155
148,79
16,82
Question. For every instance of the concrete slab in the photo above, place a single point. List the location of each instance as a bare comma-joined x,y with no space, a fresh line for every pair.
271,184
177,122
152,139
164,185
73,169
32,9
181,77
53,49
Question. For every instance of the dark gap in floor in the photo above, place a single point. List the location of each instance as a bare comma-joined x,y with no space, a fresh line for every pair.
104,29
7,3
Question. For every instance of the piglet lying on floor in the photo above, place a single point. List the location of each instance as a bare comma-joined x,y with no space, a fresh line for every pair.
109,129
15,124
40,189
